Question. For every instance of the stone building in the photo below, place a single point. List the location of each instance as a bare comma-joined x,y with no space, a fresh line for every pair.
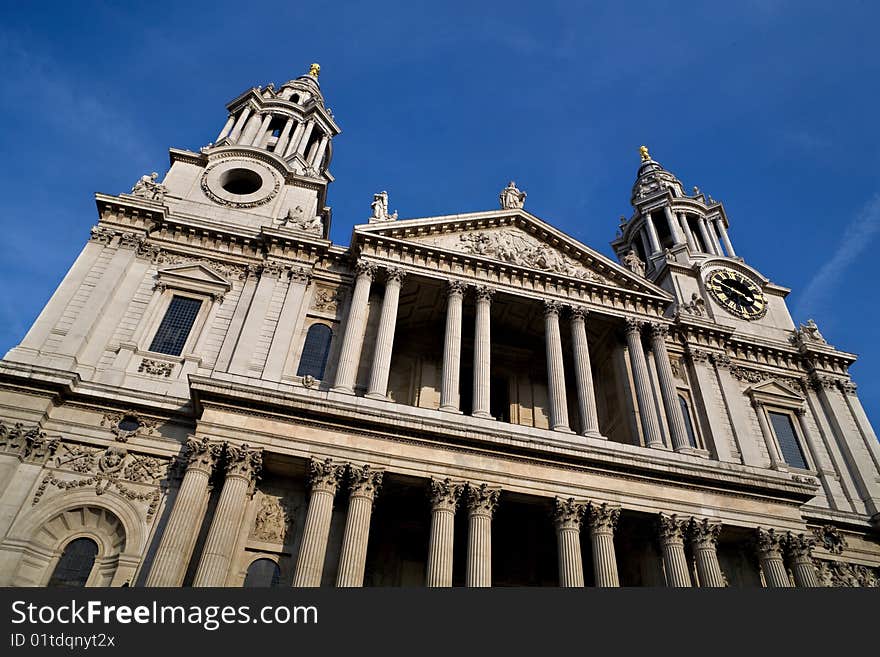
216,394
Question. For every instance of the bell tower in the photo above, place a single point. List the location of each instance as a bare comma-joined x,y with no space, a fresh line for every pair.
680,242
269,165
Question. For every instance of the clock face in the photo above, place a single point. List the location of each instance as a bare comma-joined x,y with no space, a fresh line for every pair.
737,294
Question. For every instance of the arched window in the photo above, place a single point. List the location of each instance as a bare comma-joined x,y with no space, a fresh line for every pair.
262,573
75,564
315,351
688,423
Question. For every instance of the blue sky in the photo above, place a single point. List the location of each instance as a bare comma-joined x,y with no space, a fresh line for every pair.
769,106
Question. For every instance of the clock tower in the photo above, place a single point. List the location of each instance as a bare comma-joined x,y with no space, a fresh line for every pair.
680,242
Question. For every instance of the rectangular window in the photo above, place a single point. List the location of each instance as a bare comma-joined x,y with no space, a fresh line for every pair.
176,325
789,445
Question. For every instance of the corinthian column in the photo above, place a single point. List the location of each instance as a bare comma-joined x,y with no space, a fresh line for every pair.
243,466
644,395
482,352
353,340
365,483
602,520
704,542
667,388
584,374
800,552
567,517
481,502
324,479
179,535
555,368
770,546
449,388
444,500
672,531
378,388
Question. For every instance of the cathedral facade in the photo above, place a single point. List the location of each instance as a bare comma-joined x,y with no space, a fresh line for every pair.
218,395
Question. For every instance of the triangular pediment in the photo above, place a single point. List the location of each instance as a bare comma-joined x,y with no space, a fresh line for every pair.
777,390
515,238
194,276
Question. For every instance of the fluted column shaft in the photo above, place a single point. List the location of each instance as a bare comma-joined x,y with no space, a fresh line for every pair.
668,391
674,228
602,520
567,517
449,387
555,368
800,552
294,140
365,483
704,542
482,353
325,478
719,224
686,229
378,387
584,374
653,239
179,535
644,394
444,500
230,121
770,546
239,124
704,233
281,144
243,465
672,534
261,132
304,137
481,501
353,340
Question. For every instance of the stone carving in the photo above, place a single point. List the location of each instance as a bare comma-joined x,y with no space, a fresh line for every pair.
309,381
202,453
380,209
704,533
101,235
271,521
206,188
484,292
114,420
511,198
672,529
696,306
769,542
395,274
634,263
296,219
224,269
552,308
807,334
365,268
845,575
445,493
112,459
482,499
800,546
326,299
243,461
145,469
830,538
520,249
365,481
77,458
568,514
677,369
156,367
148,188
30,445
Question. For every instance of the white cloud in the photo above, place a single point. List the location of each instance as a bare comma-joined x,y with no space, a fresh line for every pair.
856,238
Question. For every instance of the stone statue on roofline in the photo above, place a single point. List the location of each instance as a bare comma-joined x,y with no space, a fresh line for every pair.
147,187
511,198
380,208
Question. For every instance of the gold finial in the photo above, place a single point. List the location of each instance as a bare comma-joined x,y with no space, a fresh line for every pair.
643,151
314,70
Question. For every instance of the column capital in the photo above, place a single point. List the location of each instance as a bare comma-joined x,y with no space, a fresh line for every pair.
300,275
244,461
633,326
365,268
552,307
672,529
482,499
445,494
704,533
658,331
602,518
455,287
769,542
800,411
396,274
325,475
365,481
202,454
484,292
800,547
578,313
568,514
